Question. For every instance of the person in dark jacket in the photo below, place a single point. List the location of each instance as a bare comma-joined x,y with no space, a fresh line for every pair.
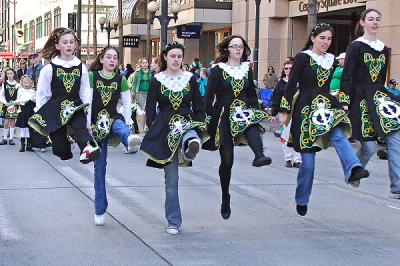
292,158
22,70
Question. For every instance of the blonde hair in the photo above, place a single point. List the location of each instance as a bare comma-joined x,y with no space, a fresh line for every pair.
26,77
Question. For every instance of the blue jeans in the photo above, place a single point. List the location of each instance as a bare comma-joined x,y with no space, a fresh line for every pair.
172,207
368,149
120,129
305,176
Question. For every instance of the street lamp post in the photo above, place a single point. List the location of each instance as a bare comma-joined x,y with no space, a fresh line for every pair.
164,19
102,21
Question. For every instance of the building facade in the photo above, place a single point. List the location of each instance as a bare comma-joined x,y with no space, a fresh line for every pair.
283,27
34,20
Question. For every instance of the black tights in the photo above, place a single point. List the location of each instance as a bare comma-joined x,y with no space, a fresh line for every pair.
226,154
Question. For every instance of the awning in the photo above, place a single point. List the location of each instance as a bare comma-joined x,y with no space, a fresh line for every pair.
127,9
6,55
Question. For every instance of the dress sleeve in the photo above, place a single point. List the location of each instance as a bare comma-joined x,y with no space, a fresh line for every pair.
291,87
212,85
347,74
43,92
151,102
84,92
198,107
251,91
126,101
2,94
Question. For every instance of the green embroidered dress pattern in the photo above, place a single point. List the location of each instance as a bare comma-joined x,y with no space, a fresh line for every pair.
388,112
11,89
67,110
237,84
68,78
175,96
106,92
322,74
318,119
367,126
374,65
241,117
103,124
178,126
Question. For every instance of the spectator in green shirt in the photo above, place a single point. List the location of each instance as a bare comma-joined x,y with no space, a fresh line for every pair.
140,81
337,75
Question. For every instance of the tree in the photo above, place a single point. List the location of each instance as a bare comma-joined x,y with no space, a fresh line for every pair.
312,15
94,27
121,33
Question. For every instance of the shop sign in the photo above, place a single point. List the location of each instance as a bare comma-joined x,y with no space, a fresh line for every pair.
189,31
299,8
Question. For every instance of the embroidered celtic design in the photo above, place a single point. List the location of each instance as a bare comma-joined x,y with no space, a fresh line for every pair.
67,110
68,79
11,89
106,92
237,84
375,65
175,96
322,74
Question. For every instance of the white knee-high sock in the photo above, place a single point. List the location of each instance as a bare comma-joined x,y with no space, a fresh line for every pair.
27,135
5,133
12,132
22,132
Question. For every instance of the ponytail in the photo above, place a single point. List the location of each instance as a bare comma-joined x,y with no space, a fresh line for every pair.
318,29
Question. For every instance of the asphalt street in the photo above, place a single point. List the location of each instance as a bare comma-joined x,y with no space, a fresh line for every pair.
46,213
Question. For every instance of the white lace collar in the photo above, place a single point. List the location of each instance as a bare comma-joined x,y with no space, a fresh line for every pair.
12,83
377,45
175,84
325,61
74,62
235,72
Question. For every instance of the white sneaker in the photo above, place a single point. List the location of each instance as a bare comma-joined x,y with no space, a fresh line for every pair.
43,150
355,184
99,219
172,230
192,149
134,142
89,154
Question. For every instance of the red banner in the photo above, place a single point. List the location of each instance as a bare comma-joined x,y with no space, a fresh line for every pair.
6,55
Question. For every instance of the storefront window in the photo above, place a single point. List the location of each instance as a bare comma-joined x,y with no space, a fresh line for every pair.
26,35
57,17
31,30
47,24
39,28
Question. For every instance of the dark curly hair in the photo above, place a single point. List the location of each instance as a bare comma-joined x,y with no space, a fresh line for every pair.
223,51
97,65
49,50
168,47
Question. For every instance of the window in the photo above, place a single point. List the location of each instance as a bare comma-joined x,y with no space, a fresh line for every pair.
47,24
39,28
31,30
26,36
57,17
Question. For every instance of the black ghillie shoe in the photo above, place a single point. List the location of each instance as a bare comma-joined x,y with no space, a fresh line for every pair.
357,173
261,161
301,210
226,208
